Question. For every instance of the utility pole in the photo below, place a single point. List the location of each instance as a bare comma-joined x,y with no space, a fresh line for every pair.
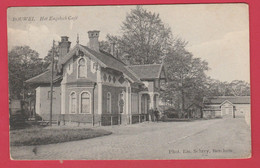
52,66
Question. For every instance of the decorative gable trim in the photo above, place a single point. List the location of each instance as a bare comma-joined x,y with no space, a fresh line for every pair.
75,51
160,71
226,101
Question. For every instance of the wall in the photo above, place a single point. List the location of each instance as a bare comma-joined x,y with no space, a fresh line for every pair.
242,110
43,102
114,91
135,103
78,116
149,85
66,119
71,68
209,114
78,85
78,91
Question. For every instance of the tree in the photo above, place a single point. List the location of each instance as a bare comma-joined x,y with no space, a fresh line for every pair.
23,63
48,57
144,37
240,88
111,42
234,88
186,75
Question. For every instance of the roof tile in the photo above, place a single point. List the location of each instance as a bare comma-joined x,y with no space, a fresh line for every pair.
232,99
44,78
148,71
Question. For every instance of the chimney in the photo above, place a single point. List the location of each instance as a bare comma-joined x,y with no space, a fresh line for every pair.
64,46
93,40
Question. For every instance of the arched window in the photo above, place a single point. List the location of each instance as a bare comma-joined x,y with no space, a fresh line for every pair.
109,102
82,70
73,102
85,103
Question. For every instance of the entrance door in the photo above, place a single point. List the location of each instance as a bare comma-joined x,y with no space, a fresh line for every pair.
227,110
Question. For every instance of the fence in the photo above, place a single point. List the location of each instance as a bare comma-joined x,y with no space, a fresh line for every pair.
138,118
105,120
111,119
116,119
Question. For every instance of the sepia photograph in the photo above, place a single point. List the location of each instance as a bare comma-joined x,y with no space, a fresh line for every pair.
129,82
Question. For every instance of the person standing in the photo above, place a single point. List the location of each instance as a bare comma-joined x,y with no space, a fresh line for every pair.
156,113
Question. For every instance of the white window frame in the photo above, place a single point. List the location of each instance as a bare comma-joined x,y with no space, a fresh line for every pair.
85,67
80,102
109,103
70,102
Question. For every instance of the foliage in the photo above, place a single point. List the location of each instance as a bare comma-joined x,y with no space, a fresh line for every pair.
186,75
171,113
23,63
144,38
234,88
48,57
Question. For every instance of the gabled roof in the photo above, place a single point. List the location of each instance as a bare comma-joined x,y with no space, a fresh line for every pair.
233,99
226,101
147,71
44,78
105,59
74,50
211,108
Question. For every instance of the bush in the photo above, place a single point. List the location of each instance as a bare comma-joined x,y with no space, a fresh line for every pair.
171,113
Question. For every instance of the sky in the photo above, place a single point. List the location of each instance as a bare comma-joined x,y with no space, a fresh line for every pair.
217,33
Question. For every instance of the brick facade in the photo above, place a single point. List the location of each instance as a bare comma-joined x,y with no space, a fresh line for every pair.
88,82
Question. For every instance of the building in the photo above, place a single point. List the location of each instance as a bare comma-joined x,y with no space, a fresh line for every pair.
92,86
226,106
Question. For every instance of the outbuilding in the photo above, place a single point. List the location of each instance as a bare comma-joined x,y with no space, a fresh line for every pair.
226,106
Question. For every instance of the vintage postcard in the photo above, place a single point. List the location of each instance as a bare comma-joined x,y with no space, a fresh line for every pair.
130,82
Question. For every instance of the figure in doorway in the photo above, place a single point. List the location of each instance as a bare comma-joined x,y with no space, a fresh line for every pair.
157,115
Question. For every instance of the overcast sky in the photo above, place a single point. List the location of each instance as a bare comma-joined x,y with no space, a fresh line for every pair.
217,33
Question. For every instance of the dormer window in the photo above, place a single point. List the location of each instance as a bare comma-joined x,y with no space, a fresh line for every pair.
82,68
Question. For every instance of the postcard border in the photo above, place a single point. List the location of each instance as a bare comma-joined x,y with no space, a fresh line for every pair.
255,90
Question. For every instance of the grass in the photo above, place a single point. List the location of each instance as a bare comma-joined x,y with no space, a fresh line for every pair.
43,136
